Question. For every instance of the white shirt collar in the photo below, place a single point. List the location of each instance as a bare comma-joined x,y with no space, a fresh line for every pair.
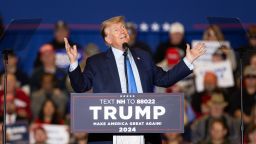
117,52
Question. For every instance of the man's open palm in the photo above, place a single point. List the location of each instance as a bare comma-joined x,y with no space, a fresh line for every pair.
194,53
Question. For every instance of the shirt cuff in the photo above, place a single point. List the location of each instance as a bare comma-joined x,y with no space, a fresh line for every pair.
189,65
73,66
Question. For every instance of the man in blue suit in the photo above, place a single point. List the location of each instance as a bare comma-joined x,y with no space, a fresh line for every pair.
122,70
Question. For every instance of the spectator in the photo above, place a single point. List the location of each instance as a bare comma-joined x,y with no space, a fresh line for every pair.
12,68
49,114
218,133
250,48
40,135
253,60
11,112
89,50
172,138
21,99
250,137
48,90
213,33
176,40
61,30
47,57
79,138
249,94
250,127
201,127
134,43
200,99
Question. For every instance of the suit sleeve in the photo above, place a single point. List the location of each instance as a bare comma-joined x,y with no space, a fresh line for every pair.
167,78
82,81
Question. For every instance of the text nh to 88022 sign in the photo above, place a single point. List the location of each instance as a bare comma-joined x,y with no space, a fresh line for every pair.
127,113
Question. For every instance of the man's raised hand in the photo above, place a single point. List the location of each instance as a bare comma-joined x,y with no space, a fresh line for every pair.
71,51
194,53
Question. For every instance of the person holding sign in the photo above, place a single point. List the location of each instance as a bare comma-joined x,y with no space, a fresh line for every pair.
124,70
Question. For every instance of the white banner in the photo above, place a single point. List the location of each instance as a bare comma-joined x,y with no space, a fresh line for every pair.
222,70
211,47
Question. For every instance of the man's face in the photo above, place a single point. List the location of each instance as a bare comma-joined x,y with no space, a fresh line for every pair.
253,42
250,81
48,58
210,82
176,38
12,61
40,136
60,34
116,35
216,110
217,131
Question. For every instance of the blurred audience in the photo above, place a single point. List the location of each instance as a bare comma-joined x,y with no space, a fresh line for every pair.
199,99
11,112
218,133
48,90
134,42
21,99
176,40
250,48
47,58
61,30
49,114
201,127
12,68
89,50
213,33
249,94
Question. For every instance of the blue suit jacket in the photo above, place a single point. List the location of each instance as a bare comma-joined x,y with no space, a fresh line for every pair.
101,74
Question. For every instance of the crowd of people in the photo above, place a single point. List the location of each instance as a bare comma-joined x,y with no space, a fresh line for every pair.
212,116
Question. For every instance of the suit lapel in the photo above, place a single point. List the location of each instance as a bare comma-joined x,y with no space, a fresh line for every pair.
142,73
112,67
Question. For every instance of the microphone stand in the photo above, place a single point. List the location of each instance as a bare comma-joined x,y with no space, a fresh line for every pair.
5,62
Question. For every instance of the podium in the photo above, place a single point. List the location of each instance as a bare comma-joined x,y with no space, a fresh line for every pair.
132,114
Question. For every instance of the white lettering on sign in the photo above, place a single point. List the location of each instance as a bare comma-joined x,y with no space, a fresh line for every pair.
111,112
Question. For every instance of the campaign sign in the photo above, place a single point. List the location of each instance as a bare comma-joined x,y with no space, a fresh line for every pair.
18,133
127,113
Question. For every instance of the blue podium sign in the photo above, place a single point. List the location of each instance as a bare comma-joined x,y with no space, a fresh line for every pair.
127,113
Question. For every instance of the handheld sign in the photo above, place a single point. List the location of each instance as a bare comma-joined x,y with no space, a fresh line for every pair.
127,113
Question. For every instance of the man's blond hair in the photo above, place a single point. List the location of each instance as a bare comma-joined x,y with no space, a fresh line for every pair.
108,22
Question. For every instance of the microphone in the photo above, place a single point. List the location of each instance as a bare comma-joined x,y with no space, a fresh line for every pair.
125,46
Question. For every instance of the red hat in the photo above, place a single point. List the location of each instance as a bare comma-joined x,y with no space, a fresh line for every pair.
172,56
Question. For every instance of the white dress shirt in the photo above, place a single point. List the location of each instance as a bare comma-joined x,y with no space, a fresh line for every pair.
119,58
